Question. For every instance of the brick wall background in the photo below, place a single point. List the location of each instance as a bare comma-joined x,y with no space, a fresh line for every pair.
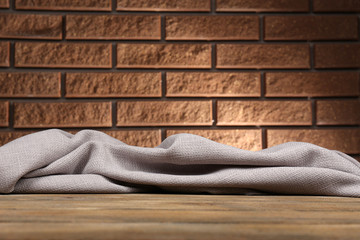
249,73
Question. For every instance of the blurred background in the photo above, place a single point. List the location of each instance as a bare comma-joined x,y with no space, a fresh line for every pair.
247,73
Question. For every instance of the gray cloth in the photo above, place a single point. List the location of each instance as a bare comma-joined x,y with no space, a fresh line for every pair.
54,161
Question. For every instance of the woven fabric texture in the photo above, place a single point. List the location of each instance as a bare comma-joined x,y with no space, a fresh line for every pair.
55,161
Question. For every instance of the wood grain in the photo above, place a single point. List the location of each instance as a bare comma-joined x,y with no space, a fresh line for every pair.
159,216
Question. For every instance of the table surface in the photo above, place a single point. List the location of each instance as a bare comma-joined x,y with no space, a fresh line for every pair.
171,216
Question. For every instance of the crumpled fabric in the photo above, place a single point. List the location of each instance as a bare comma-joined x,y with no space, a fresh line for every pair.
55,161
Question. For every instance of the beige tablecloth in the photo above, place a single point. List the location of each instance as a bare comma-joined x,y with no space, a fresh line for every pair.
54,161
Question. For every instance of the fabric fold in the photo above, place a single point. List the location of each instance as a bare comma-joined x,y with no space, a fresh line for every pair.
55,161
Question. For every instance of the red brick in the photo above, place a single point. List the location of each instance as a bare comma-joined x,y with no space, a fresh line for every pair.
262,6
113,84
4,114
263,56
69,114
8,136
4,54
141,138
164,5
4,4
311,28
336,5
113,27
212,28
30,26
338,112
29,84
311,84
344,140
276,113
337,56
161,113
248,139
163,56
71,5
60,55
212,84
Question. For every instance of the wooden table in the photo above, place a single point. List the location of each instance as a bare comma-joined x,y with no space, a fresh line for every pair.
159,216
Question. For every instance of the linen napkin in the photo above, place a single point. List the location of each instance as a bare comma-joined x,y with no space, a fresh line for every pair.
55,161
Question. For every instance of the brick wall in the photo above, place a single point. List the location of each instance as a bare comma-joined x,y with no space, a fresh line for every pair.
248,73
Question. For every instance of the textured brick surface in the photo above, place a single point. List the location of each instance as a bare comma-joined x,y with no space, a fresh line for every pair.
160,113
336,5
163,5
244,139
141,138
79,114
311,27
4,114
262,6
338,112
30,26
163,56
4,54
8,136
344,140
263,113
316,84
29,84
212,28
71,55
112,27
337,55
4,3
131,67
206,84
113,84
262,56
77,5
